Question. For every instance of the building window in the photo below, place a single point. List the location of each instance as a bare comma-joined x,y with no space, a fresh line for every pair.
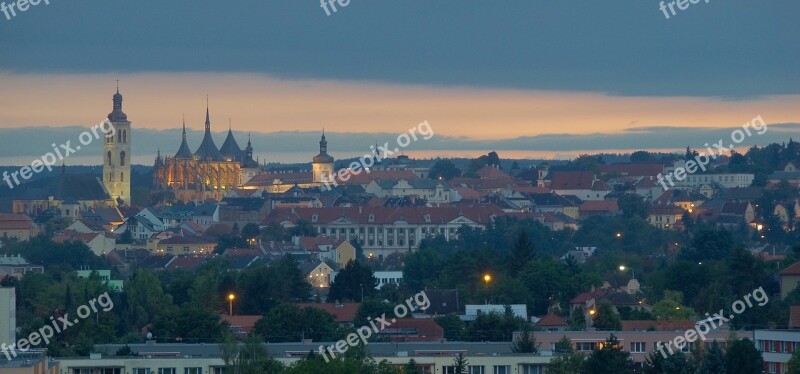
638,347
193,371
584,346
475,369
532,369
122,177
502,369
166,371
122,159
141,371
109,158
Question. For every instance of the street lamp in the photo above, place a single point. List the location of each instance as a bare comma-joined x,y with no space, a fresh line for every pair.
231,297
487,278
622,268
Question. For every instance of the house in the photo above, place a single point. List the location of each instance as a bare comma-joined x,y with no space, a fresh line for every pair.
327,249
182,243
742,211
317,273
413,330
658,325
186,262
62,195
443,302
435,192
789,279
605,208
16,226
17,267
206,215
582,184
388,277
105,277
552,322
343,313
665,217
100,243
240,326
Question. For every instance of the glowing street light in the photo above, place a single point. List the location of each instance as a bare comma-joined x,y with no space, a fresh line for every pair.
592,312
487,278
231,297
622,268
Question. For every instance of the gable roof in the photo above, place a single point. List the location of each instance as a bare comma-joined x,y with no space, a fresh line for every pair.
341,312
552,320
15,222
480,214
572,180
793,269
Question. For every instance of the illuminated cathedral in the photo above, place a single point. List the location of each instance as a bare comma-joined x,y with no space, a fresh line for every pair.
209,172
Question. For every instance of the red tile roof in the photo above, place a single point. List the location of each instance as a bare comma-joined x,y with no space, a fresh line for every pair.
552,320
414,330
490,172
633,170
186,262
572,180
793,269
15,222
72,235
247,323
342,312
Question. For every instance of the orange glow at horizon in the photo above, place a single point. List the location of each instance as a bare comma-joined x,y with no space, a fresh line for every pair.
261,103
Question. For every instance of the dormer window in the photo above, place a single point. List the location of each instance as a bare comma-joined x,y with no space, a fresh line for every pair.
372,218
427,218
314,218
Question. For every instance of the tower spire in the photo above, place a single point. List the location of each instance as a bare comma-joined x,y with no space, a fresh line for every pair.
117,85
208,117
183,116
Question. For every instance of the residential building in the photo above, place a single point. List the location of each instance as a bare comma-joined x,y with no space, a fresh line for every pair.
386,230
789,279
582,184
8,316
388,277
317,273
17,266
435,192
105,277
100,243
665,217
777,347
16,226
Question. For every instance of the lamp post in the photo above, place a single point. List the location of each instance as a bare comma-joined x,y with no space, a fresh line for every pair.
231,297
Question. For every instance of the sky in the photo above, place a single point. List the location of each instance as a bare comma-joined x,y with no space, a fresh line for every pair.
534,78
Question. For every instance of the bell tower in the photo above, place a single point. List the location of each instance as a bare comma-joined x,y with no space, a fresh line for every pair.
117,155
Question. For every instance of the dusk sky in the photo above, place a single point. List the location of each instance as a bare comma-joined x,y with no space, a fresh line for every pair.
534,78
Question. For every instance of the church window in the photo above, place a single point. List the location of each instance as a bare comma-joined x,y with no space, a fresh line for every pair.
122,158
109,159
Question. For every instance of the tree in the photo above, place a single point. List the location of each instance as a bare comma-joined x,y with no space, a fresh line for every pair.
566,364
525,342
794,363
251,231
452,325
521,254
289,323
609,358
714,362
742,357
249,358
460,364
669,307
444,169
642,157
632,205
355,282
411,367
606,318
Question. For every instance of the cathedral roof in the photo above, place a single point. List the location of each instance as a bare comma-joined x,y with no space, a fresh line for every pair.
183,151
323,157
230,149
208,150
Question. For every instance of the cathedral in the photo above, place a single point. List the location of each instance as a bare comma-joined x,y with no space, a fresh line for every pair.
209,172
212,173
117,155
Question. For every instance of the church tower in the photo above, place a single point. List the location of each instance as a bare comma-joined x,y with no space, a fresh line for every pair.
117,155
322,165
